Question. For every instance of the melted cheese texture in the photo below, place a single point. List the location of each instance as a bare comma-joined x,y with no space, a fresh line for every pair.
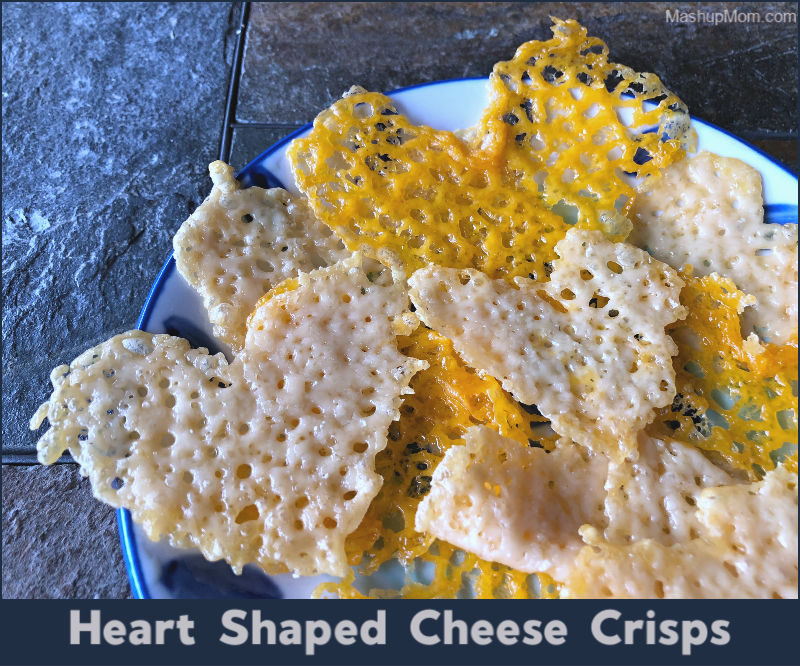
735,397
767,549
239,243
268,460
588,347
515,504
549,153
707,211
655,496
524,507
448,397
739,553
322,362
447,572
381,182
566,119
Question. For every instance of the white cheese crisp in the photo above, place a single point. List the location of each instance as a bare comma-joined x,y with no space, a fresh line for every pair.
524,507
747,549
588,347
707,211
239,243
759,522
267,460
655,496
514,504
324,369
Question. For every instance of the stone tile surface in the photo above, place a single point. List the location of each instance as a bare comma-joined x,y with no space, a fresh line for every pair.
783,150
58,541
111,114
249,142
300,56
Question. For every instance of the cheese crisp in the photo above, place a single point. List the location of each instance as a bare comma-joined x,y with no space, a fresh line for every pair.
766,548
748,549
515,504
549,153
735,398
269,459
707,211
566,119
588,347
239,243
448,398
524,507
655,497
379,181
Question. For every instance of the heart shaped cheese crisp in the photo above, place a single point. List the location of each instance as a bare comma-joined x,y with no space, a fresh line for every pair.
588,347
240,243
707,211
270,459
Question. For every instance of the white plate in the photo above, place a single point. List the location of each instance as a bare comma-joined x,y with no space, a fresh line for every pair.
159,571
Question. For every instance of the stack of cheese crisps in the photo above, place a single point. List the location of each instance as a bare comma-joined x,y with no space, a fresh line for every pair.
539,357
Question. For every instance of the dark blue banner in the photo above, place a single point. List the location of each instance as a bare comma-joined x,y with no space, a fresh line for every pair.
399,632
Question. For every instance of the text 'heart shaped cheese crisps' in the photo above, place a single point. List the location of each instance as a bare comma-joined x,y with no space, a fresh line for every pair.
588,347
269,459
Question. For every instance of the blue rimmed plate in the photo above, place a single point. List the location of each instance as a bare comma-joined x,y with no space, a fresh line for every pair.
157,570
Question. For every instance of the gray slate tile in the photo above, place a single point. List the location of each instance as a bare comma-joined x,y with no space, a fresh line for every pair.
58,541
783,150
249,142
299,57
111,114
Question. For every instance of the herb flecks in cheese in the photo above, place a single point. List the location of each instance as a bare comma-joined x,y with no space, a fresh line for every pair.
515,504
655,496
739,553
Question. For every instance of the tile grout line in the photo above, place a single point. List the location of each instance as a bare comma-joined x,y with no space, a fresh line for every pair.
233,87
28,455
30,460
244,124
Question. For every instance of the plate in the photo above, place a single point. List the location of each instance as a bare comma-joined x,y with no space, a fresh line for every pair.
156,570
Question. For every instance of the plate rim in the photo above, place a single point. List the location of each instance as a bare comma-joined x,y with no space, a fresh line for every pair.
130,551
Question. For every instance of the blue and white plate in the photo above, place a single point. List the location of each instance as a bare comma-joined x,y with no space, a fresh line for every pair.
157,570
